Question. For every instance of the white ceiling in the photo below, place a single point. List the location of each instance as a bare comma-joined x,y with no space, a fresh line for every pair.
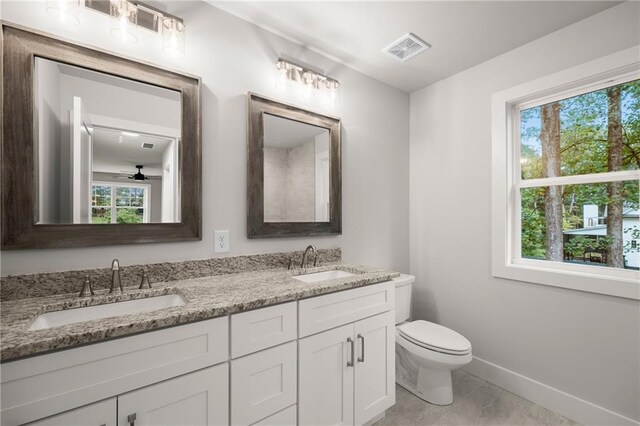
283,133
112,147
462,33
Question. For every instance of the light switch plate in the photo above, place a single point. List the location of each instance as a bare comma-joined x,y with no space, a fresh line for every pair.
221,241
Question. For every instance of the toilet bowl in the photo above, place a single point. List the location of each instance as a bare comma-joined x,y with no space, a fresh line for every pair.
426,352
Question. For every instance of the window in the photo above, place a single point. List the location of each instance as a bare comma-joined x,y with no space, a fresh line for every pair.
119,203
566,177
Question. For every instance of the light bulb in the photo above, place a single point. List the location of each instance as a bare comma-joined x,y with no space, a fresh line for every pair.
173,36
124,20
67,11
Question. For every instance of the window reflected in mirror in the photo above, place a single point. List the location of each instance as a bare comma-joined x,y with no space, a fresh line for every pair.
107,148
296,171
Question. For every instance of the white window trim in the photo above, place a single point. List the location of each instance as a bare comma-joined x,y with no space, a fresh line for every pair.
114,185
506,262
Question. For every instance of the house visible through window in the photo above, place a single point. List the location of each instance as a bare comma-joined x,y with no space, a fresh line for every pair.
576,185
119,203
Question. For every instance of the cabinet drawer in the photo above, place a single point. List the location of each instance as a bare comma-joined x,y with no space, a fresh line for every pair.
48,384
286,417
263,328
100,413
333,310
263,383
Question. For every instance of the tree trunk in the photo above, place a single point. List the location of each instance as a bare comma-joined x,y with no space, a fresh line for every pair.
614,189
550,138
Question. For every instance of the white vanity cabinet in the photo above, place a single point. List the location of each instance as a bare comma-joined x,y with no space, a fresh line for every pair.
346,373
324,360
50,384
264,379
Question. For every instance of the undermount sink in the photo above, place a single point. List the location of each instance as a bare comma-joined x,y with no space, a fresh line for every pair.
88,313
323,276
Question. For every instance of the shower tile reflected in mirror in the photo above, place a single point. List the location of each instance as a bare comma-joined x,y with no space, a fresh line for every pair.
107,148
296,171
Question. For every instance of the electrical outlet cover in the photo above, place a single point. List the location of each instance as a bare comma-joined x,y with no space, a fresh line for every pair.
221,241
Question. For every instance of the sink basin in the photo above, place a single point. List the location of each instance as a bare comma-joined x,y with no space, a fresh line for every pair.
88,313
323,276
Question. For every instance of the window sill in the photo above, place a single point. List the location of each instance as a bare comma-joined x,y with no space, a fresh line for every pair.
593,279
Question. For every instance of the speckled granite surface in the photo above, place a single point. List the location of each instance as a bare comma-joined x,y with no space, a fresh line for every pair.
48,284
205,298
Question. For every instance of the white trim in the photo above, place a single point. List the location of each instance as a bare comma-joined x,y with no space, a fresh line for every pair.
563,403
582,179
622,65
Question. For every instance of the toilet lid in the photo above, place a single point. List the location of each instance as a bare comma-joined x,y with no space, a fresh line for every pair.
435,337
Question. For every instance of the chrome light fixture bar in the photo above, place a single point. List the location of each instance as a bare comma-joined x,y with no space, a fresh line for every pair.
128,15
306,76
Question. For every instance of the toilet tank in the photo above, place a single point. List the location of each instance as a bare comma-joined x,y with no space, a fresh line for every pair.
404,283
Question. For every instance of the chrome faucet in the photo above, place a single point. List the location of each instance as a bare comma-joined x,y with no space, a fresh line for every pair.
116,283
305,256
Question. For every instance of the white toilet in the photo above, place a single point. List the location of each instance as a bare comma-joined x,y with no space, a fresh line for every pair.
425,352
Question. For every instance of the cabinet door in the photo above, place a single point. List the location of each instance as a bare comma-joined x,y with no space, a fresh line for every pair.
195,399
375,366
325,380
101,413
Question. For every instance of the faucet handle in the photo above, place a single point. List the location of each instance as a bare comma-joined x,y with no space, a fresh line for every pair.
290,263
86,287
144,282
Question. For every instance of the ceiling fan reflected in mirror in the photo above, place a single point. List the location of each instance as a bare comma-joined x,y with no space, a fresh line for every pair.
126,174
139,175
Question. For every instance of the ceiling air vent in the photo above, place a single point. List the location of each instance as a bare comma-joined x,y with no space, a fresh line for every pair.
147,145
407,47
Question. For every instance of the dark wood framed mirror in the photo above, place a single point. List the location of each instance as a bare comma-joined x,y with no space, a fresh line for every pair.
97,149
294,171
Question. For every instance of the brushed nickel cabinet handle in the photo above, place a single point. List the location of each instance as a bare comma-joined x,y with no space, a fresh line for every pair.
131,418
361,358
353,350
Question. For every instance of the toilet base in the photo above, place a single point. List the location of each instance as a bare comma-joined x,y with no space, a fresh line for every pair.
436,392
435,386
432,386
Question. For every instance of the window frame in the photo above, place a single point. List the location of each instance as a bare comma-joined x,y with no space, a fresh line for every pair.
146,217
507,262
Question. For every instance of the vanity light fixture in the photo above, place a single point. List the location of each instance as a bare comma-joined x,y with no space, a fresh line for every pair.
67,11
297,73
125,17
124,20
173,36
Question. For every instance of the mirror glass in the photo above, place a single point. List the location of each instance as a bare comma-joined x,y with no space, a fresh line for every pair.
296,171
107,148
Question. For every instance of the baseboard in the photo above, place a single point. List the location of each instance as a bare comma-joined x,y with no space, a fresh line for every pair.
556,400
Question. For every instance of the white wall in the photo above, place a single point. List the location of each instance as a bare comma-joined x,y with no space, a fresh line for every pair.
587,345
233,57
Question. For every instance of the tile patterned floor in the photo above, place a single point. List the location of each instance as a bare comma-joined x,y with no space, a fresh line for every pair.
476,402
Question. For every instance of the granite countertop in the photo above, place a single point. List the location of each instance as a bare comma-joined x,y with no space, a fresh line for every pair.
205,298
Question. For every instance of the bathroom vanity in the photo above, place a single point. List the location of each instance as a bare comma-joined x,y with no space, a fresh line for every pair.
283,352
